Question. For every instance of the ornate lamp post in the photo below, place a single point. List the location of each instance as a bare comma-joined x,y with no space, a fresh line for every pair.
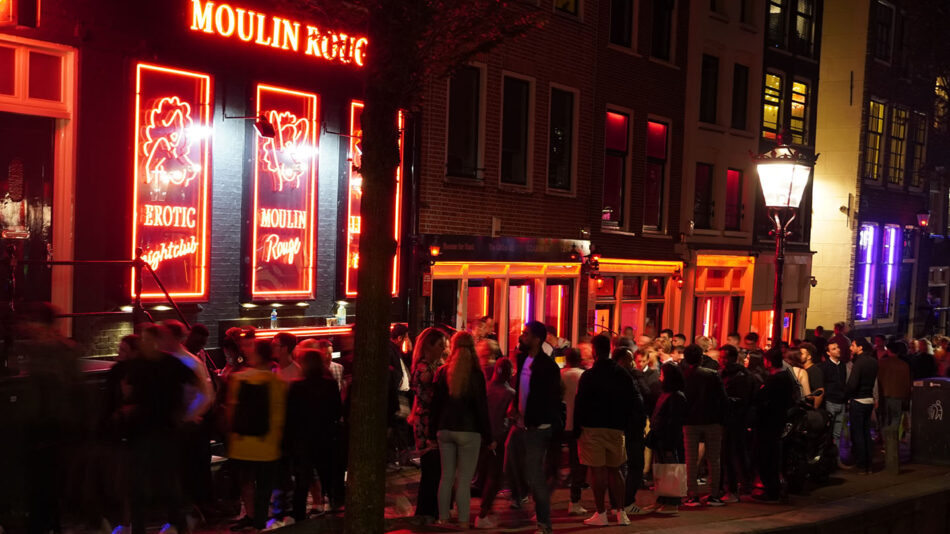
784,173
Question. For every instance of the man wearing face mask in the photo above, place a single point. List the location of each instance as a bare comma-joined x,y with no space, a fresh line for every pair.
537,405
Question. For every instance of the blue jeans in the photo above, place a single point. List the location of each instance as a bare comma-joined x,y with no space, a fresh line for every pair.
530,447
836,411
861,434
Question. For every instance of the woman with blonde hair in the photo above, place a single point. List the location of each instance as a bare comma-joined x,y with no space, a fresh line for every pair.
428,352
459,420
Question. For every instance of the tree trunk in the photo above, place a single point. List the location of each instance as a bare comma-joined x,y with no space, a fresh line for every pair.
365,501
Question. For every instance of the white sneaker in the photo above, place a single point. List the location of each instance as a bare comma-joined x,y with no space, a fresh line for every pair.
597,520
487,522
633,509
575,508
168,528
274,523
622,518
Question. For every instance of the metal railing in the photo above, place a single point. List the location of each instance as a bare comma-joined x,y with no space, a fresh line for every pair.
137,265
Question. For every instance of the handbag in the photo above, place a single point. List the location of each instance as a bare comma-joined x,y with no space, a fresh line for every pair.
670,479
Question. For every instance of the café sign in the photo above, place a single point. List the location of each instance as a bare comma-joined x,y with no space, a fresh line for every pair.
265,30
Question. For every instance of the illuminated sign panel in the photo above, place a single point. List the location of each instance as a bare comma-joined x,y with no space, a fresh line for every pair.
355,192
272,31
6,12
170,179
284,196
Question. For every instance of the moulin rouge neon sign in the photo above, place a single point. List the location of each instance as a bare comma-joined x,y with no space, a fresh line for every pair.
282,258
355,193
272,31
170,179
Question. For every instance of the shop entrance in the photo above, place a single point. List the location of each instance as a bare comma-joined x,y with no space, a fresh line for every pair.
26,205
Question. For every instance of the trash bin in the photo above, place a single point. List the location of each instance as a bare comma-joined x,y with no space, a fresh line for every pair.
930,421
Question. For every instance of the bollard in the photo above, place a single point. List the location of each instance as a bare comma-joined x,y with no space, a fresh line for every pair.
891,450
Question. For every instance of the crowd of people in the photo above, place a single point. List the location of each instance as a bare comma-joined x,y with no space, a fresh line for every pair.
628,410
616,414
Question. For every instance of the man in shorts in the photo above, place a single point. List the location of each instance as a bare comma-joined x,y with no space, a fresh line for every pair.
602,410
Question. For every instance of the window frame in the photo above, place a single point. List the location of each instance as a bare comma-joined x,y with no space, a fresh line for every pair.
704,95
783,25
479,175
671,34
878,5
665,185
711,216
917,139
740,201
769,92
867,260
799,137
631,46
529,133
570,191
877,176
809,49
578,12
897,132
744,102
626,180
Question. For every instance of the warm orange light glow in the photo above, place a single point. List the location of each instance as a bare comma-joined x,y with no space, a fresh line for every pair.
170,179
354,197
560,305
485,291
276,32
434,251
6,11
285,190
307,331
712,260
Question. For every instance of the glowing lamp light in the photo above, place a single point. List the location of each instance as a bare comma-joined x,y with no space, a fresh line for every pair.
784,174
435,251
923,219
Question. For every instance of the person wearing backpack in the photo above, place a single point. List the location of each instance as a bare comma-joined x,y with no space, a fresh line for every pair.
256,411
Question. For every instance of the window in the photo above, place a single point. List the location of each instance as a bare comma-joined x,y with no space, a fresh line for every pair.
888,265
520,309
776,22
709,89
615,167
740,96
571,7
897,151
804,38
464,123
864,272
873,140
561,140
771,106
558,306
918,149
941,105
746,8
883,31
799,114
655,182
621,23
514,131
702,197
662,38
733,200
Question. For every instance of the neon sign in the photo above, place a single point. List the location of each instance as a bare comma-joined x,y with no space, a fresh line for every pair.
170,179
355,193
282,258
272,31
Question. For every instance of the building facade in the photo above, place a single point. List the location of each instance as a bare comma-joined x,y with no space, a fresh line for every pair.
873,122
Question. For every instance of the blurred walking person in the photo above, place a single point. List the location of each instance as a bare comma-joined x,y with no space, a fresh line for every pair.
705,415
570,376
860,393
427,356
666,430
500,395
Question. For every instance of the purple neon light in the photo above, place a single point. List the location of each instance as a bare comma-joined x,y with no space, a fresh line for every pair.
891,265
867,241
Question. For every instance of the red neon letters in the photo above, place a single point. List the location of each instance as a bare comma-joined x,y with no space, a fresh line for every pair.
282,258
276,32
170,184
355,192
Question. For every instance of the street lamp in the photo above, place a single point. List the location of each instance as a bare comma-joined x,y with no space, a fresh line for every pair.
784,172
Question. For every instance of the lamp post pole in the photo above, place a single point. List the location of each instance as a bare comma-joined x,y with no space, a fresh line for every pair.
781,233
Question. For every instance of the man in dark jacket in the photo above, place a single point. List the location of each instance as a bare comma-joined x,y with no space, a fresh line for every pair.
538,409
705,414
773,401
740,389
860,392
633,433
835,377
602,412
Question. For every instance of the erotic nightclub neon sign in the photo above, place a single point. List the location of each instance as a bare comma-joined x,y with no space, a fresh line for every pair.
282,255
170,179
354,195
272,31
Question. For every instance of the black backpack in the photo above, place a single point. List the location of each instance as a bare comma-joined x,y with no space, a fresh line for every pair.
252,413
